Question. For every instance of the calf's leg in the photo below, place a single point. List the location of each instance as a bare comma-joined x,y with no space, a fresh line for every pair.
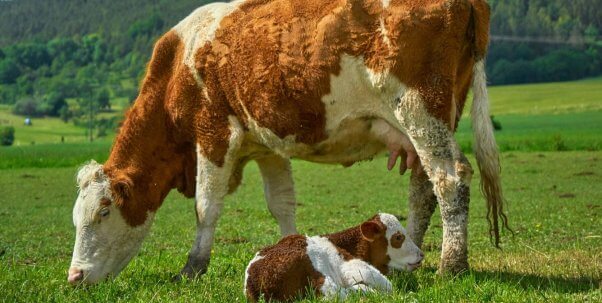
448,171
279,191
212,187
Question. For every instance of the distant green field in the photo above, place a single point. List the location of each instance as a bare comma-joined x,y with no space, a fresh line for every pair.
553,205
43,130
547,98
534,117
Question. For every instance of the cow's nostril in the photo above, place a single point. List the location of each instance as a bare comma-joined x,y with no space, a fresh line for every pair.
75,275
421,254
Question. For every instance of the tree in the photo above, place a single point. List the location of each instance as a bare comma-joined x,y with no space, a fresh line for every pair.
9,71
27,106
7,136
103,98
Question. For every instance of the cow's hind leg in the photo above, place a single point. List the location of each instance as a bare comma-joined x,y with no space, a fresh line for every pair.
422,204
279,191
449,173
212,186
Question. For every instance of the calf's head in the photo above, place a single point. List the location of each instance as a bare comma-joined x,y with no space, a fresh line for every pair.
104,241
389,244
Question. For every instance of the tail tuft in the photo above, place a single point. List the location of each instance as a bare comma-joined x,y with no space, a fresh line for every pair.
487,154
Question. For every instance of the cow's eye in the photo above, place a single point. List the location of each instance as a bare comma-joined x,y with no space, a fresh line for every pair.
104,212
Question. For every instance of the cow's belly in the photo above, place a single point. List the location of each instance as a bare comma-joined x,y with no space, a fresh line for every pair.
353,141
359,119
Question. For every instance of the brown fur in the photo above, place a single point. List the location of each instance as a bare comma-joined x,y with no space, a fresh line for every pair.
284,273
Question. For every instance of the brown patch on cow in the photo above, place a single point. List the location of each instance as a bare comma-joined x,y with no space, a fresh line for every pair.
152,154
397,240
105,202
284,272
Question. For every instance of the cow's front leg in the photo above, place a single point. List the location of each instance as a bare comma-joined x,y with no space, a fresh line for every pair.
212,186
449,173
422,204
279,191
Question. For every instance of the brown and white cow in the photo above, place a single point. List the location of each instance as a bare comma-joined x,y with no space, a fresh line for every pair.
333,265
325,81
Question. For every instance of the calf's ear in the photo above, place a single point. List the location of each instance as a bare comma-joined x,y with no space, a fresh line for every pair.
371,230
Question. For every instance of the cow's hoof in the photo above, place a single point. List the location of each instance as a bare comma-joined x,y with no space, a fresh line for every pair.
192,272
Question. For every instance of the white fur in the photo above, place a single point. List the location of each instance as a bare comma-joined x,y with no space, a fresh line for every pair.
279,191
199,28
103,246
485,147
212,187
408,253
356,93
443,162
255,259
342,276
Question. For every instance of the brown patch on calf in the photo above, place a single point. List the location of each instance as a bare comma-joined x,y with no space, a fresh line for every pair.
397,240
284,273
373,251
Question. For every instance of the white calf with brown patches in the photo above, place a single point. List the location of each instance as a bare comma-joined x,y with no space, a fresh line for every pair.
333,265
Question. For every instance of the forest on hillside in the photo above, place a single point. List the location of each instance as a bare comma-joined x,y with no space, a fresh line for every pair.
64,58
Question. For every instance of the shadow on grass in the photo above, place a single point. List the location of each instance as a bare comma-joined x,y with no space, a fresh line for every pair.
535,282
526,282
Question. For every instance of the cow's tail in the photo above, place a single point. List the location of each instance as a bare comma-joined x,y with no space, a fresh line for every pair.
487,154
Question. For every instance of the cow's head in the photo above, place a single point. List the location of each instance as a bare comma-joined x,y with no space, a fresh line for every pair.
104,241
390,245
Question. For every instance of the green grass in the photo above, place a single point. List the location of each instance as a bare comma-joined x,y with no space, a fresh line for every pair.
554,206
542,132
546,132
43,130
547,98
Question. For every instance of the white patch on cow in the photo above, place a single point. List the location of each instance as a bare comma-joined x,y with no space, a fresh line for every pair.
386,3
255,259
212,186
408,254
443,162
103,244
279,191
340,276
385,33
199,28
358,97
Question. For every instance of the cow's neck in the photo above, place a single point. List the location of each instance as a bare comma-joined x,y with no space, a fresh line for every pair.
145,154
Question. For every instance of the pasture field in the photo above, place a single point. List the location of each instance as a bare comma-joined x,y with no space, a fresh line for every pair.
554,205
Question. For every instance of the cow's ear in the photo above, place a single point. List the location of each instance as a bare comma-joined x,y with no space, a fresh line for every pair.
121,187
371,230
